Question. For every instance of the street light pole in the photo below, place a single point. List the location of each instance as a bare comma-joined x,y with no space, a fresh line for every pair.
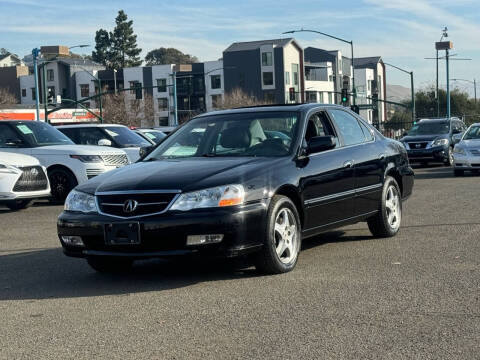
339,39
447,56
411,86
115,80
35,53
474,82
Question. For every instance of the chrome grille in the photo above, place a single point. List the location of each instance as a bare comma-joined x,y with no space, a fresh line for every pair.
146,203
418,145
94,172
115,160
33,178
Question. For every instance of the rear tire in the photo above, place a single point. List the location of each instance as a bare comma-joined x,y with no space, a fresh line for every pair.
283,238
18,204
106,264
62,181
386,222
458,172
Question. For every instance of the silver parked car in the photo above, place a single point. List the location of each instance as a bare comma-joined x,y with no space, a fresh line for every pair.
466,153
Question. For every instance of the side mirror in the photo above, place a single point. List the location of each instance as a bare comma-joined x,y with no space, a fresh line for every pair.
144,151
457,137
320,143
104,142
405,134
456,131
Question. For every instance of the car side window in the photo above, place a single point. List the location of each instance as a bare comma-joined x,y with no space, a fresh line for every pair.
319,125
348,126
90,136
366,131
9,138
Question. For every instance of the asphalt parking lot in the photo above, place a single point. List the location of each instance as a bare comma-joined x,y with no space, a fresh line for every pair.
350,297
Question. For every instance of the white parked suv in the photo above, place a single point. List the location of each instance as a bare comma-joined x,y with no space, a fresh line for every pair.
67,164
118,136
22,179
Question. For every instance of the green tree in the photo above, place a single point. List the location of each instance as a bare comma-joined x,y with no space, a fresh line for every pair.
163,56
103,48
124,50
4,51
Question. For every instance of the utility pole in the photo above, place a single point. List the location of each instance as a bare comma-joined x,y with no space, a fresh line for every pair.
474,82
447,55
35,53
444,35
175,108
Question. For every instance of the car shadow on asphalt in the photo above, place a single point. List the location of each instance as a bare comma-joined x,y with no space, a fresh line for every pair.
434,173
35,274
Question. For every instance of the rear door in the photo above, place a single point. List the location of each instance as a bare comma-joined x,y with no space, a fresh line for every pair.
369,160
327,181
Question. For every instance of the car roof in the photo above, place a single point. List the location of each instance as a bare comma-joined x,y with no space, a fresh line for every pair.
88,125
439,119
266,108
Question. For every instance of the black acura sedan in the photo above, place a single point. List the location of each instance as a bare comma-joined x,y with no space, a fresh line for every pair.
252,181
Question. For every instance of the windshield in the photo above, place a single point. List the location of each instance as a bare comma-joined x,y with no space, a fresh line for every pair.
155,135
267,134
472,133
125,137
430,128
42,134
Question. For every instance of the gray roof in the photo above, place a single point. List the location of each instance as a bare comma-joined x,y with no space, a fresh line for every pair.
253,45
366,62
78,61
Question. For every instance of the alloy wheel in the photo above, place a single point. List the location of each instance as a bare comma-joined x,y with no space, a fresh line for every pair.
392,207
286,236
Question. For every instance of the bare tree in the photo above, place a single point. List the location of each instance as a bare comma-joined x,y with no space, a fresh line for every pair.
7,98
238,98
122,109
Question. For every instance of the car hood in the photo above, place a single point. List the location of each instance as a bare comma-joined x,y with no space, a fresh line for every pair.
179,174
419,138
18,159
472,143
76,150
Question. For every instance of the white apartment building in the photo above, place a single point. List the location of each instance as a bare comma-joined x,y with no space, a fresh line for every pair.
319,86
214,84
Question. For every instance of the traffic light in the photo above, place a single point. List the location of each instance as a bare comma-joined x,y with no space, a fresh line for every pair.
375,101
344,96
50,96
291,92
138,91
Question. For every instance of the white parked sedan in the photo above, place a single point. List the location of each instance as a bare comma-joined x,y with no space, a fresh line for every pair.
67,164
22,179
466,153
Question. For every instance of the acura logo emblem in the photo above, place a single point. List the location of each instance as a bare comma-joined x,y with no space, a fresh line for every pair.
130,206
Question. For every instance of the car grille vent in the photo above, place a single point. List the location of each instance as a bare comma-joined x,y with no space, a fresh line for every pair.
135,204
115,160
418,145
33,178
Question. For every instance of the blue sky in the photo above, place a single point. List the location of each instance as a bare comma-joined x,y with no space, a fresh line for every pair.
403,32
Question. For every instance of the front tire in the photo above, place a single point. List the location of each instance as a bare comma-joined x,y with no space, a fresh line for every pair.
388,219
62,181
16,205
283,238
449,160
105,264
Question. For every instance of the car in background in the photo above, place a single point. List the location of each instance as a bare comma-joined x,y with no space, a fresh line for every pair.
166,129
466,153
219,186
117,136
152,135
431,140
22,180
67,164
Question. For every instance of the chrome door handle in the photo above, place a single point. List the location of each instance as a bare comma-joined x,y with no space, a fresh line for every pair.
382,156
348,164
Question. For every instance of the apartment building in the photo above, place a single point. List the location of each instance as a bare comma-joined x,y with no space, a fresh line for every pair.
370,78
8,60
9,79
214,84
318,84
265,69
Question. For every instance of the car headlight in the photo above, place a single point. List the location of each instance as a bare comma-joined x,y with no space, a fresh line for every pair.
459,150
79,201
221,196
9,169
87,158
440,142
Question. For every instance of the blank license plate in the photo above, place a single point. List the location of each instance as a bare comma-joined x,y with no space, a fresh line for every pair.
122,233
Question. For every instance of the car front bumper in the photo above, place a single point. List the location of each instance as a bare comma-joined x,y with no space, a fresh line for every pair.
466,162
437,153
166,234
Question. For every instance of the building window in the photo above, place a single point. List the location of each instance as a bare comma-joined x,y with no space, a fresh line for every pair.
215,81
133,85
330,78
330,98
267,59
295,74
311,96
162,104
33,94
216,101
84,90
287,78
163,121
321,100
267,78
50,76
162,85
24,92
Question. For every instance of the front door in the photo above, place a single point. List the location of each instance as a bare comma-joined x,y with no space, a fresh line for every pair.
11,141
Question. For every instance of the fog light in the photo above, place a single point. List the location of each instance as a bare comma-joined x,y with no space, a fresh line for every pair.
204,239
73,240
